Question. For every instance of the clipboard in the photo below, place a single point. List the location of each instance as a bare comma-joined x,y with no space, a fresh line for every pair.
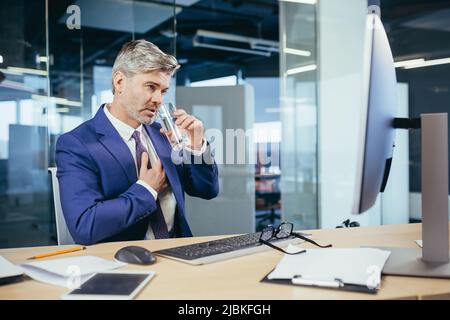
342,286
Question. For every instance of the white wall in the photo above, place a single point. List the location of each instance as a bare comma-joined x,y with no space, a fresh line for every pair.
341,43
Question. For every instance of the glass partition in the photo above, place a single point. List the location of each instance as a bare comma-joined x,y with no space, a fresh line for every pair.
299,109
25,217
56,59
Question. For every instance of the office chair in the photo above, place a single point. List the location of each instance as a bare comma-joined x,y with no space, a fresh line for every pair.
271,196
271,200
62,232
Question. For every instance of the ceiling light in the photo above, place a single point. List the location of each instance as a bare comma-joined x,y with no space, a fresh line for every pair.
297,52
429,63
62,110
41,59
255,46
15,85
301,1
56,100
302,69
11,72
18,70
405,63
226,48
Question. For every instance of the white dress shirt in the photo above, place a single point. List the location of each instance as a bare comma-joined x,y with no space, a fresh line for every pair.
166,197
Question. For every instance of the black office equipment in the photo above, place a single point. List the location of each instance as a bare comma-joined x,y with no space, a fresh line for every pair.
135,255
113,285
348,224
221,249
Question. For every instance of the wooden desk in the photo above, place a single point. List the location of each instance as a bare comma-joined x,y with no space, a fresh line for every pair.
239,278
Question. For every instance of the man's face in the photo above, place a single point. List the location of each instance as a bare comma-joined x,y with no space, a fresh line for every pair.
143,93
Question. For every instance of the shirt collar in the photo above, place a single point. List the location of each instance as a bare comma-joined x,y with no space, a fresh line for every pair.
124,130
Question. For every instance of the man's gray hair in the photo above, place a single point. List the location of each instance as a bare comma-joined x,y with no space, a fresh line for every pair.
141,56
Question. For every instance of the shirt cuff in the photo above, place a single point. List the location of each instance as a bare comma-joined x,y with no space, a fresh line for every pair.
198,152
150,189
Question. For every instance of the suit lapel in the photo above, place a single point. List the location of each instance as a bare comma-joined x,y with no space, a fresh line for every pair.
114,143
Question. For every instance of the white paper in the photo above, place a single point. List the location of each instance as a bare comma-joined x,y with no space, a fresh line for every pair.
419,243
67,272
360,266
7,269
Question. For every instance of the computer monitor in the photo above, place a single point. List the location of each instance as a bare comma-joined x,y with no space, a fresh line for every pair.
378,125
378,112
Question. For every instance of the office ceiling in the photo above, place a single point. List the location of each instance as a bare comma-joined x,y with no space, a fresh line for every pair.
415,27
103,36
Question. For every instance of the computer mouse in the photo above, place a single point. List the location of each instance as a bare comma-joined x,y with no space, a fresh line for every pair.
135,255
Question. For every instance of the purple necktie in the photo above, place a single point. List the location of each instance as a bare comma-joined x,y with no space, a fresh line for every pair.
157,221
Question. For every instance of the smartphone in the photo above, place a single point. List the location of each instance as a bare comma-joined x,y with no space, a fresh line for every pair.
114,285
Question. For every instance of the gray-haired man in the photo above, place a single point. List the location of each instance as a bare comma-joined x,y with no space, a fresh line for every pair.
117,179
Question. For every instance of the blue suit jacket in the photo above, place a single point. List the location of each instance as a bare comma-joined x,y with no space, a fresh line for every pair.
100,198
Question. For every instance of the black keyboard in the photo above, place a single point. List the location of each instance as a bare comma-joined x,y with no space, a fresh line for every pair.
210,251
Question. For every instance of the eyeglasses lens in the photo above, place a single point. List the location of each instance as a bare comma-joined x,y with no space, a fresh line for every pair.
284,230
267,233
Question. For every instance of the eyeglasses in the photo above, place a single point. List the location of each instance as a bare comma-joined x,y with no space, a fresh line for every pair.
284,230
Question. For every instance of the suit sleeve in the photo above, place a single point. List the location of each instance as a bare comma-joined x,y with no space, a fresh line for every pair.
199,174
89,216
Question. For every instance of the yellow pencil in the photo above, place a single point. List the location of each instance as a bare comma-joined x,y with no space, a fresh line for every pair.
49,254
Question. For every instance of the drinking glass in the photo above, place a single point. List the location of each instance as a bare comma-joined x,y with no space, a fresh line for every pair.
177,138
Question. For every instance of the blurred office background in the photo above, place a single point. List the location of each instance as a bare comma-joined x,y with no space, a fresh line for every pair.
289,70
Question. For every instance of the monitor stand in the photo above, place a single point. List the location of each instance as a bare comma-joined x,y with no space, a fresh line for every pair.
409,262
433,259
